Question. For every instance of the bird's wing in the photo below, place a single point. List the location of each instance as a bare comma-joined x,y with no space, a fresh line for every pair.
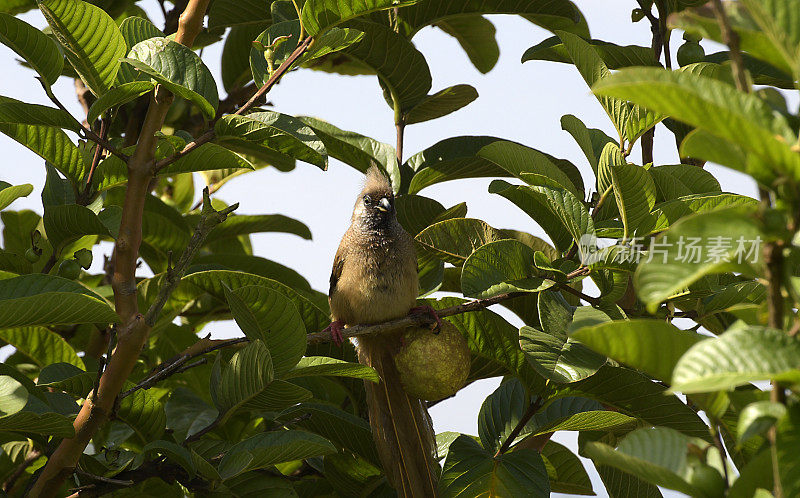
336,272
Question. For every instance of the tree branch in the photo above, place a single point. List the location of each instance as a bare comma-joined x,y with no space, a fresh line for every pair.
731,39
132,335
210,218
209,134
85,131
529,413
425,319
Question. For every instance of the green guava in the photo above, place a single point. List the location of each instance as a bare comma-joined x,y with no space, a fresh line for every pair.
433,366
689,53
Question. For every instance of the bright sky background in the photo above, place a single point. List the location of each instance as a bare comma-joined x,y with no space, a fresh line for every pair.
520,102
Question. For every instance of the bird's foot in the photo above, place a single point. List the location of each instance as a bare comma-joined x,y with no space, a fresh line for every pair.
335,329
427,310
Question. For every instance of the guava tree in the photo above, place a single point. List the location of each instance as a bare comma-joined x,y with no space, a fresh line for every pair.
679,364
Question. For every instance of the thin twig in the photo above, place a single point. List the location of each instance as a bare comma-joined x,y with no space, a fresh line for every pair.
210,134
98,153
529,413
722,454
31,457
86,132
209,219
107,480
731,39
179,364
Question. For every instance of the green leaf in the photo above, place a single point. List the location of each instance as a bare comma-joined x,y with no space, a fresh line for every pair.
237,12
117,96
544,13
324,366
550,352
320,15
238,225
701,144
247,375
739,356
523,161
634,192
441,103
276,132
554,209
613,56
179,69
499,267
565,470
399,65
38,49
271,448
333,40
677,180
640,398
46,424
629,120
41,345
787,439
215,281
266,314
715,107
208,157
355,150
454,240
778,20
16,112
757,417
476,35
574,414
173,452
10,193
342,428
500,412
591,140
38,299
251,264
669,212
715,249
52,145
13,396
652,346
66,223
452,159
235,61
92,42
668,467
470,470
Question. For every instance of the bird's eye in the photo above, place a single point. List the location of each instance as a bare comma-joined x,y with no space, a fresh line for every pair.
367,200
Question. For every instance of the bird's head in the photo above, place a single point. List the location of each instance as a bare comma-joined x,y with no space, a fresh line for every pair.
375,204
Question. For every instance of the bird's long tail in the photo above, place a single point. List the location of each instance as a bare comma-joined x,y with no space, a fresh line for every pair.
401,425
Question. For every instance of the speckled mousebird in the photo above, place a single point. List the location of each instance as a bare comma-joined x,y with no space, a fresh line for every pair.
374,279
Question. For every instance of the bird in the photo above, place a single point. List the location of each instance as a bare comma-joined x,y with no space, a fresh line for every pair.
374,279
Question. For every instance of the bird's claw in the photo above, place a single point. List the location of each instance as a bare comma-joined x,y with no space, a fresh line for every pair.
428,310
335,329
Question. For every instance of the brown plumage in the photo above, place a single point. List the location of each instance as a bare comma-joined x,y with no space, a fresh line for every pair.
374,279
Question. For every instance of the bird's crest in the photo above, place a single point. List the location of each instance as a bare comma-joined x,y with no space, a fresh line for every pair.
376,181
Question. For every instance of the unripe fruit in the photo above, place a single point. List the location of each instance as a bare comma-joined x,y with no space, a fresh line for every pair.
691,37
433,366
689,53
31,255
69,268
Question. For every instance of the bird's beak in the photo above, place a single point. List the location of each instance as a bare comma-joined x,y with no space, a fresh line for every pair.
383,205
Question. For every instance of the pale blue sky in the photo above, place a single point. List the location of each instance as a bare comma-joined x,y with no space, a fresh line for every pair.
521,102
